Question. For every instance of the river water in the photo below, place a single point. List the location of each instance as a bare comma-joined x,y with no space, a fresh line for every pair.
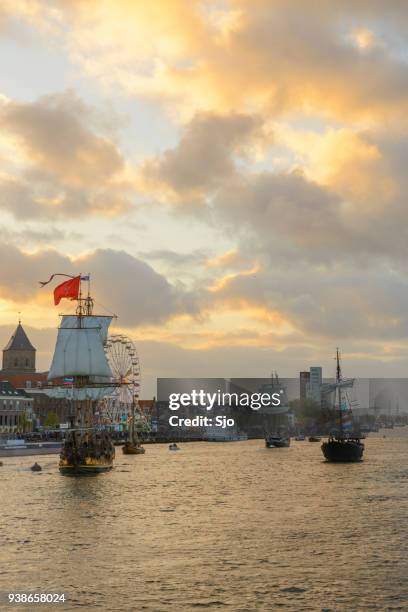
223,526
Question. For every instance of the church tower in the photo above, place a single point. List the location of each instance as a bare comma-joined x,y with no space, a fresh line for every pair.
19,353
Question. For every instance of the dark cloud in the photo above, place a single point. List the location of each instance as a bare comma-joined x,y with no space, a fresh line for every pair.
133,290
204,157
341,303
121,283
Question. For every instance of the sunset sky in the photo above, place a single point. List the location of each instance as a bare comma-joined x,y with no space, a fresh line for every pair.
233,174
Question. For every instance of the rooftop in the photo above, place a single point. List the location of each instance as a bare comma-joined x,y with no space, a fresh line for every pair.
7,390
19,341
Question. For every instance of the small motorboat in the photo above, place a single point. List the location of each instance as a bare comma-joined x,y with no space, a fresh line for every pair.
300,438
314,439
133,449
276,441
36,467
174,447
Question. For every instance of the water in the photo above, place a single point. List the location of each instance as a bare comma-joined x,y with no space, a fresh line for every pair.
223,526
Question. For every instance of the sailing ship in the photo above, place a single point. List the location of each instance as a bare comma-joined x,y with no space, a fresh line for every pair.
277,436
344,445
80,372
132,446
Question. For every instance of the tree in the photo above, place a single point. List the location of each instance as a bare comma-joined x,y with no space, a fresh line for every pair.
51,420
24,423
308,411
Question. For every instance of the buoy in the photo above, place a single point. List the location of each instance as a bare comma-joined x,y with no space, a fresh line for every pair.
36,467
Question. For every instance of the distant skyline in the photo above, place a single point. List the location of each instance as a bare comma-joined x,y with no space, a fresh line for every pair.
232,173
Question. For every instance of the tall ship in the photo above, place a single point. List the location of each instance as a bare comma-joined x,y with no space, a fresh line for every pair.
81,373
132,445
276,433
344,445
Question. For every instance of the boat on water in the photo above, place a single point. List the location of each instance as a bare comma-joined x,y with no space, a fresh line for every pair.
343,446
133,446
300,438
133,449
277,441
21,448
86,452
314,438
174,447
276,423
80,372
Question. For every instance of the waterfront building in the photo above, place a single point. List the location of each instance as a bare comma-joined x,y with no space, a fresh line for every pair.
315,384
304,380
16,409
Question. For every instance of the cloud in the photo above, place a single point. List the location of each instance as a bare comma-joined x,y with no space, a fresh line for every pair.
343,304
176,259
205,156
306,231
54,132
123,284
253,56
133,290
64,166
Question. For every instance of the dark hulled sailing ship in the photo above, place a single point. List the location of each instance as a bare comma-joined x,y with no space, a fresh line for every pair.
344,445
81,364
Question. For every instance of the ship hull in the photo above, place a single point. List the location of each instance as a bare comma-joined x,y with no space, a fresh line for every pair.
277,442
343,451
88,468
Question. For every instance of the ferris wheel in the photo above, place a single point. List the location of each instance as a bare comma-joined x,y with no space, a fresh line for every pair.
124,363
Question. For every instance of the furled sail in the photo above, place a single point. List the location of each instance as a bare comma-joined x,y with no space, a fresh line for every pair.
99,321
96,393
79,350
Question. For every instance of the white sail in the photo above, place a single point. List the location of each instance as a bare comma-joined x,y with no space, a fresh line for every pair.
79,350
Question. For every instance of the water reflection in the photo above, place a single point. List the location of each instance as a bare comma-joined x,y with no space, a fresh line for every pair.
216,525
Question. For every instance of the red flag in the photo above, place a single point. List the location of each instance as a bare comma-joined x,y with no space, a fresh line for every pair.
68,289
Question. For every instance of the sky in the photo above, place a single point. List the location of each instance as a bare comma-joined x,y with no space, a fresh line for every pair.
231,173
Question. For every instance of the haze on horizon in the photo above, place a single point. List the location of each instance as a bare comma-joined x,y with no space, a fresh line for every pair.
231,173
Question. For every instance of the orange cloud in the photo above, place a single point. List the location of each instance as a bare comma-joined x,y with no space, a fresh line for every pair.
255,56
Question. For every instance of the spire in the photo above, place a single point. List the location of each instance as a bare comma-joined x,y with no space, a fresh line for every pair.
19,340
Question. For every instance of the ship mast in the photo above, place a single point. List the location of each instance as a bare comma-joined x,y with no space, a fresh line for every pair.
85,305
338,381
